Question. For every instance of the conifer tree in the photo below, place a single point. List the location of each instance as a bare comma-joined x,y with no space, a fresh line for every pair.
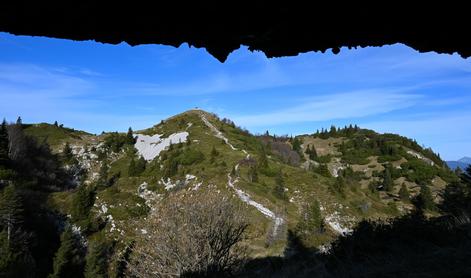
129,137
141,165
19,121
404,193
56,124
388,183
339,185
103,179
81,203
323,170
424,199
11,210
67,153
67,260
4,143
296,144
315,221
97,260
132,168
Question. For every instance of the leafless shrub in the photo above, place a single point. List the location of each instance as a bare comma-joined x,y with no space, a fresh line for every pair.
186,235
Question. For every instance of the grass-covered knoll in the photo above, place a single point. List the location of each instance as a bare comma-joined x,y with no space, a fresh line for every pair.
54,135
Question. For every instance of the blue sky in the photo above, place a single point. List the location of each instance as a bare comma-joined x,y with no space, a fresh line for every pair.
95,87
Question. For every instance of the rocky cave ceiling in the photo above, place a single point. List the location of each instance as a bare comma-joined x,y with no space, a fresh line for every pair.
275,29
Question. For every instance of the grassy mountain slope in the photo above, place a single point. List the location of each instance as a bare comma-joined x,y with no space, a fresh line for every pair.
280,175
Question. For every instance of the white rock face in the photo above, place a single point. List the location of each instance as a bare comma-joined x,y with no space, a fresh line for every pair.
419,156
150,147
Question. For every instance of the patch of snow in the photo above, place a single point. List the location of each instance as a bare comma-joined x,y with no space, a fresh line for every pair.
150,147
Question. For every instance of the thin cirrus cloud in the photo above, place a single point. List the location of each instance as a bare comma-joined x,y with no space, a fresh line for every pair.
335,106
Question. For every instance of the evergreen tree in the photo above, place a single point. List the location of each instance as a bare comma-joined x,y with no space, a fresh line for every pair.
67,153
19,121
424,199
141,165
311,151
103,178
132,168
388,183
279,189
4,144
466,176
97,260
404,193
81,203
11,211
129,137
67,261
323,170
339,185
315,221
296,144
56,124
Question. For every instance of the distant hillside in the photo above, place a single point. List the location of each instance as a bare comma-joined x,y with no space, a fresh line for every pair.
462,163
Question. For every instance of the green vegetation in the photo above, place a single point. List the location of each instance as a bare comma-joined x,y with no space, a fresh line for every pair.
111,200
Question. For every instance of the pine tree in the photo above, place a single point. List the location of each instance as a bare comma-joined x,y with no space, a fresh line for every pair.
129,137
56,124
296,144
140,165
19,121
323,170
4,143
103,178
315,221
339,185
81,203
11,210
132,168
404,193
67,261
311,151
67,153
424,199
97,260
466,176
388,183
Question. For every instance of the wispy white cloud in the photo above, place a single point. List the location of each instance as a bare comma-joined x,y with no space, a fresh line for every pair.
335,106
